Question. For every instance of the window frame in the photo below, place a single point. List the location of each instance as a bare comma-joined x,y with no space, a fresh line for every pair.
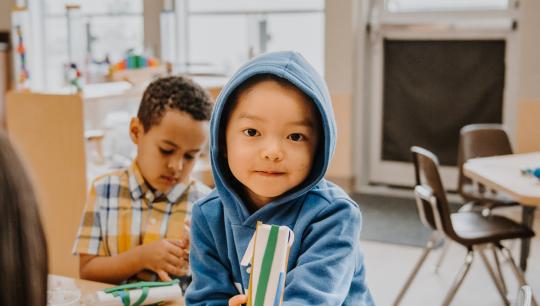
447,25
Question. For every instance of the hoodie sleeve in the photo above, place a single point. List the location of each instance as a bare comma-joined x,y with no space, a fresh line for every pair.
330,267
211,284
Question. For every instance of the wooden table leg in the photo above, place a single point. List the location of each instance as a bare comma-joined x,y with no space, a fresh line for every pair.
527,216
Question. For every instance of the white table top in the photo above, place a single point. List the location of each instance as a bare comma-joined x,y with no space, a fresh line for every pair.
503,173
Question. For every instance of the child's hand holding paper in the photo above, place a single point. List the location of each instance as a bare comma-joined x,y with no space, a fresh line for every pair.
238,300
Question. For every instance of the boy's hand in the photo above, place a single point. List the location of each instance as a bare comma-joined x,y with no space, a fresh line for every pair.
146,276
165,257
187,233
183,244
238,300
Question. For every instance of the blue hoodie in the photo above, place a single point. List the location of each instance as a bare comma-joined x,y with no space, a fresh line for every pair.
326,266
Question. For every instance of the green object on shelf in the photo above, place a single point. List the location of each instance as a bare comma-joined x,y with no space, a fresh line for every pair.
137,61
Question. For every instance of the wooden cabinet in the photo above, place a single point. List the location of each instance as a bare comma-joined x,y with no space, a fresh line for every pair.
48,131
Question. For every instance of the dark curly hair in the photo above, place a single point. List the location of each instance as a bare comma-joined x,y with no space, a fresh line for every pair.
175,93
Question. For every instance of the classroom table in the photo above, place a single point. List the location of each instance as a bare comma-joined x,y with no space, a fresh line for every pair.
504,174
89,287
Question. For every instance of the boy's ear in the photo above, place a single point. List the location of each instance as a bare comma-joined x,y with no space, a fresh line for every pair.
136,130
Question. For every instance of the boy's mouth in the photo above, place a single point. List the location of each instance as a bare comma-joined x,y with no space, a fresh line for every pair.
169,179
269,173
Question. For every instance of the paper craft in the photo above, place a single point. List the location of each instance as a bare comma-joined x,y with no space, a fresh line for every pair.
268,252
141,293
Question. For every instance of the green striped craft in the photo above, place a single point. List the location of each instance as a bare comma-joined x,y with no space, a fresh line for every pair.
269,264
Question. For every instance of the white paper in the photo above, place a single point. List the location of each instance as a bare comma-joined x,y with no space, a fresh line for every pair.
156,294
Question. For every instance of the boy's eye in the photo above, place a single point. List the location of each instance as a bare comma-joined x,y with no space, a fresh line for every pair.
166,152
251,132
189,157
296,137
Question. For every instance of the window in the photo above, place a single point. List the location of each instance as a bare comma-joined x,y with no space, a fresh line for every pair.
435,66
222,36
100,28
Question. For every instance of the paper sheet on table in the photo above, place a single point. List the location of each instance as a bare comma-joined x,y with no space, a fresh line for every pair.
154,295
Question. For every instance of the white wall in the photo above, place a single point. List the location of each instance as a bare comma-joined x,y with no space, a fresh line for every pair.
529,89
152,9
339,31
5,14
339,68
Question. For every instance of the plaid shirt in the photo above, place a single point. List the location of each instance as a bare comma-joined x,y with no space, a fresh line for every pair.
122,212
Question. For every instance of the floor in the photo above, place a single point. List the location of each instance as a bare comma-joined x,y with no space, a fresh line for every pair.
388,265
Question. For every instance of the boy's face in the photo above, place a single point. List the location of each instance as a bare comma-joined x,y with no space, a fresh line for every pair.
271,138
167,152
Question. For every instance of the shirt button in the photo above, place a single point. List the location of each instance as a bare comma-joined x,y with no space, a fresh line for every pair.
153,221
149,196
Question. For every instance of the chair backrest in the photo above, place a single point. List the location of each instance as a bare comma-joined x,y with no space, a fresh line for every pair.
524,297
424,199
480,140
432,203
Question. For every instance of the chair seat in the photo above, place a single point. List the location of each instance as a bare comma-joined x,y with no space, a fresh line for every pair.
473,228
470,193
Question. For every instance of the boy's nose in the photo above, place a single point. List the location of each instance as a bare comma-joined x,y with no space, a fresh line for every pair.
176,164
273,153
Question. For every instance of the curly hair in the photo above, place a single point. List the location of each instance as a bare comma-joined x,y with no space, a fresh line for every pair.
173,93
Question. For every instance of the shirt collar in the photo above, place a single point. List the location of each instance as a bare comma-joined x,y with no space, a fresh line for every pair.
139,188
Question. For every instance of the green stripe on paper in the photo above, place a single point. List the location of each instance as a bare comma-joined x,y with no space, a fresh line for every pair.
142,298
266,266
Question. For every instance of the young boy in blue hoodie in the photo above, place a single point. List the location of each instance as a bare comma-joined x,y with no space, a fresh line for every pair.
272,138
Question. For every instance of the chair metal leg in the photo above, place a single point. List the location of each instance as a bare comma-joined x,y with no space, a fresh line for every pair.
527,220
429,247
511,244
444,250
499,270
459,279
517,271
495,278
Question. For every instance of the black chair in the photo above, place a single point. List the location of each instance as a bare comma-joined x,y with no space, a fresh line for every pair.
485,140
470,229
482,140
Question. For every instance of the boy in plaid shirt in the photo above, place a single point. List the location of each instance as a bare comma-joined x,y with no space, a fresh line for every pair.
135,223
